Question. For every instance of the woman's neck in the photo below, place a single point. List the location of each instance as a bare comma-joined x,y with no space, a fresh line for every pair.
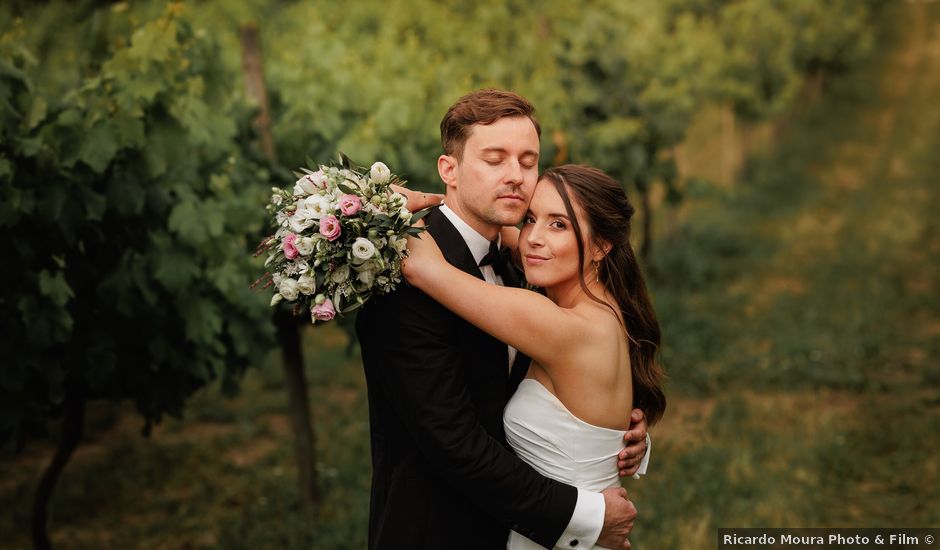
569,293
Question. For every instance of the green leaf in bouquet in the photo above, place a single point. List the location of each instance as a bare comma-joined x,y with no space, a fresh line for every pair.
346,163
419,215
360,301
346,189
337,297
310,164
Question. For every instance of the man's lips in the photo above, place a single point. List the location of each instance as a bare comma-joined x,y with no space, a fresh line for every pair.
512,197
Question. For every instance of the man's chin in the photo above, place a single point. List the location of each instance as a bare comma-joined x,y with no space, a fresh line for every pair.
506,219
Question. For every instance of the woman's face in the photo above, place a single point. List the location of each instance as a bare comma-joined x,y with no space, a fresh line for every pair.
548,245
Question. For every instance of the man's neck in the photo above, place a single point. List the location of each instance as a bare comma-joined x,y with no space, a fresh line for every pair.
489,231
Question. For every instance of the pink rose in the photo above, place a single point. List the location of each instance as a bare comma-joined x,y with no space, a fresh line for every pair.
329,227
323,312
349,204
290,251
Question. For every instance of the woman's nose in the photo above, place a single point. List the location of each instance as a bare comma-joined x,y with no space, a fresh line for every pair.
534,236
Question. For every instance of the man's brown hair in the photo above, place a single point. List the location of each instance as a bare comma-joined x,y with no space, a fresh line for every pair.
481,107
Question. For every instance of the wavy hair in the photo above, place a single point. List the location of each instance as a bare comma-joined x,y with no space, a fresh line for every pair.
608,213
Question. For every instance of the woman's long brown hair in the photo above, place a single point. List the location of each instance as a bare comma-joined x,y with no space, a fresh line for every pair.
608,213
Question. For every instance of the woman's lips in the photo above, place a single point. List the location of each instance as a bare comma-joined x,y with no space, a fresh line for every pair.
532,259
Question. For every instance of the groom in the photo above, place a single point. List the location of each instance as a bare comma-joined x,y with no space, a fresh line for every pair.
443,475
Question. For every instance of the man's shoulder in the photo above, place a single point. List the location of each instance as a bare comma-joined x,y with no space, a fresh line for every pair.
404,301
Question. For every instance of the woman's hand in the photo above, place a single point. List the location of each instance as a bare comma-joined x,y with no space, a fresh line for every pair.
423,256
418,200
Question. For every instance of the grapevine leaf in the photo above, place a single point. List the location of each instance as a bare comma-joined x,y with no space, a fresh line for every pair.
98,147
36,114
95,204
55,287
185,221
202,320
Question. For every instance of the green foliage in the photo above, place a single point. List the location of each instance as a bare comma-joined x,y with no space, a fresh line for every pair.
130,204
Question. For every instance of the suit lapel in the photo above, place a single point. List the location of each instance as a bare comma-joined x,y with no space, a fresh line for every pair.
458,254
450,242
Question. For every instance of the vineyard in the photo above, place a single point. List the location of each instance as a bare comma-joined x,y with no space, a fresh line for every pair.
783,156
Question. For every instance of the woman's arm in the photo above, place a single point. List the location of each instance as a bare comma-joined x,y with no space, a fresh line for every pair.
523,319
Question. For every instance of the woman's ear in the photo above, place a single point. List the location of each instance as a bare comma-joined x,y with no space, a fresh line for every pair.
599,250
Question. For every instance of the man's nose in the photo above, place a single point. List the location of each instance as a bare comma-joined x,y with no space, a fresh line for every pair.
515,173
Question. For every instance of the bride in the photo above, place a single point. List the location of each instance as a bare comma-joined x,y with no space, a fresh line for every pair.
592,336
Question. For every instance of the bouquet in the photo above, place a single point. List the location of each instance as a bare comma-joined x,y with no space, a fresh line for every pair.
341,235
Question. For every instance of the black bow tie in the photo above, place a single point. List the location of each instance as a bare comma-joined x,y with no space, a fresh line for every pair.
492,256
499,259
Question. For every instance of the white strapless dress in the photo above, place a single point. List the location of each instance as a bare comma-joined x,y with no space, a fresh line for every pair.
545,434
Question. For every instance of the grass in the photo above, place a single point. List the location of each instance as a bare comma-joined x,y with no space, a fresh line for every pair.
801,316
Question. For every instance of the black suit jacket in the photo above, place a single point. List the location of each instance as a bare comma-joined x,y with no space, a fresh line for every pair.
443,475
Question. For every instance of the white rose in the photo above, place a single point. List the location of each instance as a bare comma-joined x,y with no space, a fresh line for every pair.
379,173
317,206
307,285
309,184
277,199
288,288
363,249
276,299
304,245
366,277
340,275
398,244
304,187
277,278
368,265
302,266
404,214
301,220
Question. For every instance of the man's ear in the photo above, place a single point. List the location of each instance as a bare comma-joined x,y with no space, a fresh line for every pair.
447,169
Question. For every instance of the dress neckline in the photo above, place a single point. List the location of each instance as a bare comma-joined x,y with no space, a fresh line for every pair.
567,411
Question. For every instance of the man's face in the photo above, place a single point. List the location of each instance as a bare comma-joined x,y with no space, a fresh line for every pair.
491,185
